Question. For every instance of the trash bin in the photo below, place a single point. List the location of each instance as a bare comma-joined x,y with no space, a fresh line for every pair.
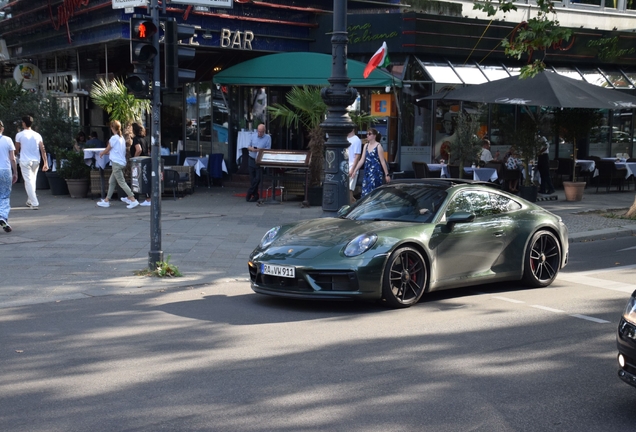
141,173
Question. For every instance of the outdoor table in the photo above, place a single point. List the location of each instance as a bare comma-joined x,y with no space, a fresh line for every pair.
242,141
587,165
92,155
630,166
200,162
441,168
482,174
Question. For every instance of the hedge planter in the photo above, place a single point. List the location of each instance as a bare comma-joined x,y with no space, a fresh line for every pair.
78,188
57,184
573,190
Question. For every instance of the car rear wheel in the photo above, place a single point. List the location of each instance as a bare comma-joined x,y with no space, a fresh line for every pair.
405,278
542,260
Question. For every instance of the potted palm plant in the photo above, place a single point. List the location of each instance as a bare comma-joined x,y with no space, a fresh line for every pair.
305,108
528,145
576,123
74,170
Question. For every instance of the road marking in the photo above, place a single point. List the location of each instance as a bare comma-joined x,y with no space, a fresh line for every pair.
589,318
549,309
629,248
508,299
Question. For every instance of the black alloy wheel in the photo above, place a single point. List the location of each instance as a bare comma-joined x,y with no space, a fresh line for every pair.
542,260
405,278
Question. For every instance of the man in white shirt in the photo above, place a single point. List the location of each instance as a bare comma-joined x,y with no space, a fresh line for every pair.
8,176
486,155
29,145
354,151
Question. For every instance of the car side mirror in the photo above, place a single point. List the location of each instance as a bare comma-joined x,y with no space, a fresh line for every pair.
343,210
459,217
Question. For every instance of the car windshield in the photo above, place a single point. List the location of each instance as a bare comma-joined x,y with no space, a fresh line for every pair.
404,202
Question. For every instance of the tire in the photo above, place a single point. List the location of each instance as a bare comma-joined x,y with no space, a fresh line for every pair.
542,260
405,278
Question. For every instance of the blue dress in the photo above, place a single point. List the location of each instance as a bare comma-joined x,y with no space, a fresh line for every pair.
373,171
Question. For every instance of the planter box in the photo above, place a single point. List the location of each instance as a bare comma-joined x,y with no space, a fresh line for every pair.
573,190
57,184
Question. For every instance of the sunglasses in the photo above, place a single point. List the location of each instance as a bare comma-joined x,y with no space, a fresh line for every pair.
370,133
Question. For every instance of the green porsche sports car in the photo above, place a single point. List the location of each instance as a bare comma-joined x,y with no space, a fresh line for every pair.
410,237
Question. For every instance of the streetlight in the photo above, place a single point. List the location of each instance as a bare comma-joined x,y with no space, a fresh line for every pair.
338,96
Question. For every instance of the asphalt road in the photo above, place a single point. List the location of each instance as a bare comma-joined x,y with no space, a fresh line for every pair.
221,358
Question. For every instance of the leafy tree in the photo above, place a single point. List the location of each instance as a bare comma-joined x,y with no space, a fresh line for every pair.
576,123
467,146
536,35
16,102
57,128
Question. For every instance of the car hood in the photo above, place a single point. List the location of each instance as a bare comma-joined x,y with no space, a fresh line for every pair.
309,239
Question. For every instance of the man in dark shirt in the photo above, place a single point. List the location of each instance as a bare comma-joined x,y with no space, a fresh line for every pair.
94,142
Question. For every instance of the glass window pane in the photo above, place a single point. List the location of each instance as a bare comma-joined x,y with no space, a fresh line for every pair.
495,73
442,74
470,74
570,73
595,77
617,79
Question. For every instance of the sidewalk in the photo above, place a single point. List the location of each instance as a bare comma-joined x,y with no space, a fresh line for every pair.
70,248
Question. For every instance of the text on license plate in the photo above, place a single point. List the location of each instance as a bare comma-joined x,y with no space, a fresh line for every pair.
278,270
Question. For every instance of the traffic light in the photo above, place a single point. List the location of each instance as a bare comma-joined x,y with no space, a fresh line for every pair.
176,53
142,54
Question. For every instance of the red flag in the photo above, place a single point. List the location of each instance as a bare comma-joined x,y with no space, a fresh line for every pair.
380,58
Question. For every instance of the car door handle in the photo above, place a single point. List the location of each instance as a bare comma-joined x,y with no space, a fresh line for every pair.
498,234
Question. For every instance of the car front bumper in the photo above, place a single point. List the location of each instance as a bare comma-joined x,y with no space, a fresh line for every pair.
626,342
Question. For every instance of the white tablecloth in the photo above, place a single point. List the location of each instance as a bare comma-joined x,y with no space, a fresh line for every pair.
630,166
92,154
482,174
587,165
200,162
242,141
442,169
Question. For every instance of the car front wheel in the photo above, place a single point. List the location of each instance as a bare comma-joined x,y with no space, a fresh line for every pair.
405,278
542,260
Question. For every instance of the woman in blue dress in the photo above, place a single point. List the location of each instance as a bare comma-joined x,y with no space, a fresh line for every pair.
376,171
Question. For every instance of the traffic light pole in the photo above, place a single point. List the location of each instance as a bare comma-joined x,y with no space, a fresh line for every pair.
155,254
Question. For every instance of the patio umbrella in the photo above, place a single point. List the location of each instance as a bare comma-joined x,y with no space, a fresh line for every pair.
545,89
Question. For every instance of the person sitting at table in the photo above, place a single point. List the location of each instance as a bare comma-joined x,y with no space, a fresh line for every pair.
260,140
138,148
80,142
513,163
94,142
486,156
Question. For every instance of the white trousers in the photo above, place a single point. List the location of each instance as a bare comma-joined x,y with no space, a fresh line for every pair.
29,174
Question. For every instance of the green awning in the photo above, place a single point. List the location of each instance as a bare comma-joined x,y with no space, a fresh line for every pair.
299,68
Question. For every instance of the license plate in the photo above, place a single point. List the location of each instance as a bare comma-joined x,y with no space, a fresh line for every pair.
278,270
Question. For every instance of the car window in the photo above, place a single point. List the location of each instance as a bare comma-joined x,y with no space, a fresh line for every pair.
408,203
503,204
476,202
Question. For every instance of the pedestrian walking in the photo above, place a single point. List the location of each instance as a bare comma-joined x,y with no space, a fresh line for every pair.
29,146
260,140
353,153
8,176
116,149
376,171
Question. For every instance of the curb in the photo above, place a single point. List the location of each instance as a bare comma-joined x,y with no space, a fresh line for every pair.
603,234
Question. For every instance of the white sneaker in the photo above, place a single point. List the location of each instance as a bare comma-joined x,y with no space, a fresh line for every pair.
132,204
145,203
103,203
126,200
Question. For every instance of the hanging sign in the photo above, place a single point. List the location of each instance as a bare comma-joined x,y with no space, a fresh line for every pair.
122,4
210,3
382,105
28,74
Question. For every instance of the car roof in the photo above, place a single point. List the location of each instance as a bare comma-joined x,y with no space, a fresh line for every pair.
443,183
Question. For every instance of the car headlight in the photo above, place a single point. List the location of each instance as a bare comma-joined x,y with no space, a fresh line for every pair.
630,311
360,244
269,237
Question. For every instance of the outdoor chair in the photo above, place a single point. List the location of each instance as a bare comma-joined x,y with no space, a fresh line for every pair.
421,169
497,165
609,175
169,160
453,171
554,168
564,169
172,180
214,170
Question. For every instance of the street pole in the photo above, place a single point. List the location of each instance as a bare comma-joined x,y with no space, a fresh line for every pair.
155,254
338,96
